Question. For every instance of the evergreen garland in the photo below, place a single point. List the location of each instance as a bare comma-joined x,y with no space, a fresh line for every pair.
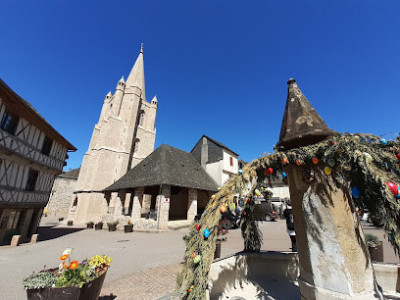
365,162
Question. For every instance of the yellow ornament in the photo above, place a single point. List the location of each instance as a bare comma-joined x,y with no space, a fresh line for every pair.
257,192
327,170
213,196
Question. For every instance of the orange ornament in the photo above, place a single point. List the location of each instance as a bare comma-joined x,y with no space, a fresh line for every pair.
64,257
194,254
244,213
298,163
315,160
73,264
284,160
222,209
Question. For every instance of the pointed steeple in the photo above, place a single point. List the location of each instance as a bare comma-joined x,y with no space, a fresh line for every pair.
301,124
136,76
154,100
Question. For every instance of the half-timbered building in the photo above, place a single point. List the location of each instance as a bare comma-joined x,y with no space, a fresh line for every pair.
32,154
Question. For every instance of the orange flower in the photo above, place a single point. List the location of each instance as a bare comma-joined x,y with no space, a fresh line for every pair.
64,266
64,257
73,265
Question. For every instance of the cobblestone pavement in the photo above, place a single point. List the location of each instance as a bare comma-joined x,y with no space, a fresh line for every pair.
145,265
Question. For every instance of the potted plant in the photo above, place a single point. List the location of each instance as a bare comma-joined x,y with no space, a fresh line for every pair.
128,227
375,247
71,281
98,226
89,224
112,226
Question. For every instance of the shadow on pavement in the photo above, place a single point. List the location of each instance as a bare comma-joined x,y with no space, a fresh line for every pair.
50,232
108,297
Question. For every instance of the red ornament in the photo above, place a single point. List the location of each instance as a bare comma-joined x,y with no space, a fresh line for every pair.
198,226
298,163
270,170
269,182
244,213
398,156
265,172
248,200
393,188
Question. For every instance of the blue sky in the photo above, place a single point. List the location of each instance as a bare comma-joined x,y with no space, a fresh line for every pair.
217,67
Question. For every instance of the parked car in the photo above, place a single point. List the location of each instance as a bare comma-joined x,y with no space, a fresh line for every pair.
264,210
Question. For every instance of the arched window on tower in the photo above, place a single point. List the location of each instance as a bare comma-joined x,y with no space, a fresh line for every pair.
136,147
141,120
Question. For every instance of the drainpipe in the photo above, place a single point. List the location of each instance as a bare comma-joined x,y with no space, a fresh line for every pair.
159,208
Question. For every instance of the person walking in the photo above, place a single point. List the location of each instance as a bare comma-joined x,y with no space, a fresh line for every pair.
290,224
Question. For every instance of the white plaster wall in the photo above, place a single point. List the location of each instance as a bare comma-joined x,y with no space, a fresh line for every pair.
280,191
226,162
215,171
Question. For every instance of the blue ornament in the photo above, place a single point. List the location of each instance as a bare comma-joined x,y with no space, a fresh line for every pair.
205,213
206,233
240,171
383,141
398,196
284,175
355,191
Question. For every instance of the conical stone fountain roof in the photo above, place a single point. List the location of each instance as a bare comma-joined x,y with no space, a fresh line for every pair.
301,124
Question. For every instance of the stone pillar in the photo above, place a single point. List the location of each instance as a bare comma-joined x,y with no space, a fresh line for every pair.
192,204
333,254
127,205
113,201
163,211
118,206
137,207
146,204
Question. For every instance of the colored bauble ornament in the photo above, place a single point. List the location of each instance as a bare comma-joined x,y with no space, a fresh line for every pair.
198,226
190,289
269,182
346,168
355,191
356,137
393,188
244,213
265,172
270,170
205,213
327,170
383,141
257,192
222,209
194,254
315,160
398,195
237,211
197,259
284,160
206,233
298,163
248,200
398,156
331,162
213,196
262,189
284,175
240,171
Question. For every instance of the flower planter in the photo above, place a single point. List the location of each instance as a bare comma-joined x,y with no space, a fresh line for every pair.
98,226
376,253
128,228
112,227
89,291
90,225
70,223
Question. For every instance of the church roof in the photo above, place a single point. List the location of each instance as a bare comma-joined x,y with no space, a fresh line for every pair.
73,174
136,76
166,166
301,124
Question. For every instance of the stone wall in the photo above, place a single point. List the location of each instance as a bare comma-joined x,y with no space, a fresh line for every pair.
61,197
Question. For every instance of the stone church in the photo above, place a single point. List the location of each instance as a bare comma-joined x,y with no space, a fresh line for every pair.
124,136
